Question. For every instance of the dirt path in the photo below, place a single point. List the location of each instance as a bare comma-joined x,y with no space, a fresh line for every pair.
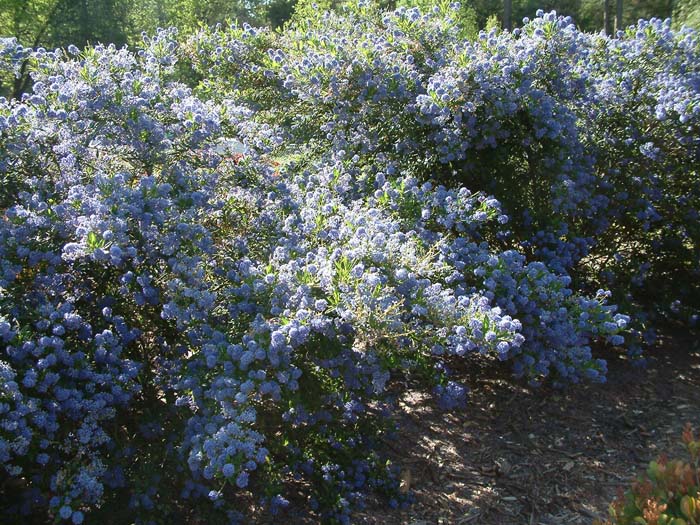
536,456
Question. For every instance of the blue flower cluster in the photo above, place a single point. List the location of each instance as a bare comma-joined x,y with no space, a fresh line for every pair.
206,292
12,54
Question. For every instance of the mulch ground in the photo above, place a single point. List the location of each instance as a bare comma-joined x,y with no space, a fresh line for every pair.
518,455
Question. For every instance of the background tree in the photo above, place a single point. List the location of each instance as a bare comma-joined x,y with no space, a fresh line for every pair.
618,15
90,21
31,23
686,12
278,12
59,23
187,15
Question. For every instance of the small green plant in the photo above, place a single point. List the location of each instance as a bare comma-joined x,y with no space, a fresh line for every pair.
667,494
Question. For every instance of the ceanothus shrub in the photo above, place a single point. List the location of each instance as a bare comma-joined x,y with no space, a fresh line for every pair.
400,93
589,142
190,318
106,249
642,116
12,56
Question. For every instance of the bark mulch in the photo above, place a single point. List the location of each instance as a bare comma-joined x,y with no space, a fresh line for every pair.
518,455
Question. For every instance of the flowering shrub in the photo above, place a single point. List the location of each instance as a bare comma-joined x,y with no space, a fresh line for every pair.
667,494
206,292
644,121
12,56
590,143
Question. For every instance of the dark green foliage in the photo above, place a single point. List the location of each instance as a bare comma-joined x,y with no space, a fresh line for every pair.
686,12
89,21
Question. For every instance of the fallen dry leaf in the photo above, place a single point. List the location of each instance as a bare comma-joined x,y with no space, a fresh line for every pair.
406,479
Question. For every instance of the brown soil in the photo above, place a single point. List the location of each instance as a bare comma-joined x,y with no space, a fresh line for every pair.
518,455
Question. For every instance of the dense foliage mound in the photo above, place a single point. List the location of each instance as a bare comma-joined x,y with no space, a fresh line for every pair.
205,291
590,143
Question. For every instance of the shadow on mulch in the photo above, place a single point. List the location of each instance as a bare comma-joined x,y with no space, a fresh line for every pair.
518,455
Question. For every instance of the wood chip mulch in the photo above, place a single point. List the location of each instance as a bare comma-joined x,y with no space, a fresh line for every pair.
518,455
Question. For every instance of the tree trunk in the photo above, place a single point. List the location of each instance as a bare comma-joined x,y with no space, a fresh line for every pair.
21,82
85,24
618,16
607,26
508,14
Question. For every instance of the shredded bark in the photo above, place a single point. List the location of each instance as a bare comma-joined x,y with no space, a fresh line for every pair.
519,455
